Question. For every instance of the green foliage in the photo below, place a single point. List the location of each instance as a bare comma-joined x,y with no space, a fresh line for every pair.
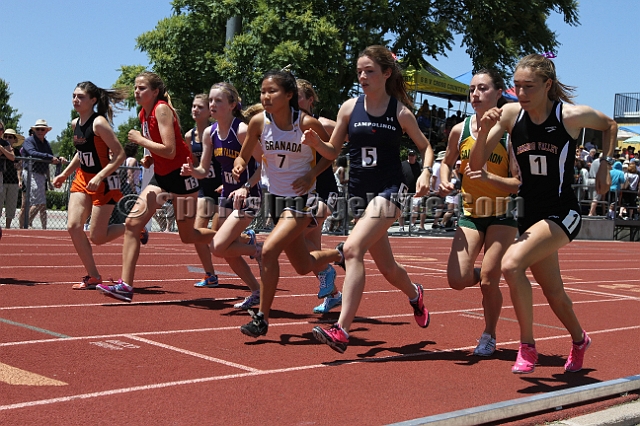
63,146
8,114
57,200
321,39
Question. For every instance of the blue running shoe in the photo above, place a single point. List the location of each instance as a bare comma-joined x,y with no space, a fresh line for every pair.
328,303
252,237
327,282
209,281
119,290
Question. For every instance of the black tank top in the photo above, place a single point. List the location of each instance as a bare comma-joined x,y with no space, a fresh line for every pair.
374,148
92,151
545,155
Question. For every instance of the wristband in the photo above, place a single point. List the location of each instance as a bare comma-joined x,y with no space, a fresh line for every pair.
247,186
428,168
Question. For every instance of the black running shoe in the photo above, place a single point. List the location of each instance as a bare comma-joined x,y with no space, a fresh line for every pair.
340,263
257,327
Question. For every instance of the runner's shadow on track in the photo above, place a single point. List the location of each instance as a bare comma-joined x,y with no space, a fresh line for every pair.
13,281
307,339
154,290
557,381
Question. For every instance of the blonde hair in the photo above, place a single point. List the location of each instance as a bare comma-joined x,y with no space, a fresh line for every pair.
546,69
252,110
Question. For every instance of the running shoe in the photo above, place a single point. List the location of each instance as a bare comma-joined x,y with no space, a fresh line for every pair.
209,281
526,360
144,236
327,282
328,303
252,300
486,345
576,356
340,263
334,336
257,327
420,312
119,290
88,283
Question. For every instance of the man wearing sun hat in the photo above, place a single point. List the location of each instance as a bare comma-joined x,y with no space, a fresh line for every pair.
10,181
38,147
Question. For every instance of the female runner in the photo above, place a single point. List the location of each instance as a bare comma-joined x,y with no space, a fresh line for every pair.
493,230
374,124
327,191
209,184
161,136
544,126
279,130
95,189
224,140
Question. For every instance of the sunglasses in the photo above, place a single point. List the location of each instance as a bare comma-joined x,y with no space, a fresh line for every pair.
1,129
41,129
9,136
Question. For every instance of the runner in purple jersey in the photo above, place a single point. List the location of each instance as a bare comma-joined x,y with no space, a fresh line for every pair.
240,197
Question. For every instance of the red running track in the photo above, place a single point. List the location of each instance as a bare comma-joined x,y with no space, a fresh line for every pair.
176,355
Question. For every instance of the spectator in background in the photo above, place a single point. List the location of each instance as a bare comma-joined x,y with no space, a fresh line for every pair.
435,188
6,153
38,147
411,169
591,181
630,189
11,181
130,175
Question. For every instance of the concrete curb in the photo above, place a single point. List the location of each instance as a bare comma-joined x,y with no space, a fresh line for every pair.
622,415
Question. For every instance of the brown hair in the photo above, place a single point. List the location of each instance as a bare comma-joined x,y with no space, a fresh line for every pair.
498,83
395,85
107,99
252,110
308,91
155,82
546,69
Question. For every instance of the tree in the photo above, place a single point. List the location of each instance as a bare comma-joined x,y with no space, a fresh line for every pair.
8,114
322,38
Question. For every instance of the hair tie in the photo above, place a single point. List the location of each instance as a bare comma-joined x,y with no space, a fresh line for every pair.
549,55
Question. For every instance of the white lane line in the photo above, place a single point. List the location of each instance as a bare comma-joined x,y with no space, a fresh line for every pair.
272,325
270,372
191,353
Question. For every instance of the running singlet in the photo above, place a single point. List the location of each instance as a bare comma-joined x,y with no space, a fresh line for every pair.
93,153
214,168
544,155
473,189
374,149
150,130
285,156
226,151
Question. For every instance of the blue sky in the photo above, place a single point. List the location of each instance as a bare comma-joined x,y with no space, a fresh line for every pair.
50,46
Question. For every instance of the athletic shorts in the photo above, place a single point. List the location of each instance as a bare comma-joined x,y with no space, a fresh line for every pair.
175,184
208,188
251,204
108,191
303,205
567,217
358,202
481,224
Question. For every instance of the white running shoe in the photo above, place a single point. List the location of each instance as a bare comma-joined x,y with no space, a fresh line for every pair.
486,345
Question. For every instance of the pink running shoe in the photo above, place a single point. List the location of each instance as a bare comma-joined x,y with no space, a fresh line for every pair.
526,360
334,336
420,312
576,356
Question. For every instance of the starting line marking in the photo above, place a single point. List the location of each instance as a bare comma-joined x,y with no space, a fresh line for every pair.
17,377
